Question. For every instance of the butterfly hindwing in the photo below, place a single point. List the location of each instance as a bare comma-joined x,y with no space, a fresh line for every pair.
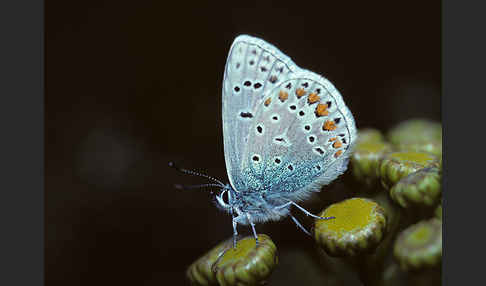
300,138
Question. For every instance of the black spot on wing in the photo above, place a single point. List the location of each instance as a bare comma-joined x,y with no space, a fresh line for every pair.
246,114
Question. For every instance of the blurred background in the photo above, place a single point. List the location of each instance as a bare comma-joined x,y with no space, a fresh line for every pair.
133,85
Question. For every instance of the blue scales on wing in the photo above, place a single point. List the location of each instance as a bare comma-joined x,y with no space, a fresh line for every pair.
300,138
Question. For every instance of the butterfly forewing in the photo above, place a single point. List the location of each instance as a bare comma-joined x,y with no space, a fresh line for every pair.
253,68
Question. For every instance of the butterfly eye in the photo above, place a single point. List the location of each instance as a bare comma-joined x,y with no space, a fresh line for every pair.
225,197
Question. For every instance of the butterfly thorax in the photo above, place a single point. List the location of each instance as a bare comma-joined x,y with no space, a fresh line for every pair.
258,206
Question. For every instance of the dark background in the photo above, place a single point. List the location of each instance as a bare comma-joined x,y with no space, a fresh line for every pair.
130,86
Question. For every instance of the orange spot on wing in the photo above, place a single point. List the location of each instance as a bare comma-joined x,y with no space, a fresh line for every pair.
329,125
313,98
338,153
267,102
337,144
332,139
283,96
321,109
299,92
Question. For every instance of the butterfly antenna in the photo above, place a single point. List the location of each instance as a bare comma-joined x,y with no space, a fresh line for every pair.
189,172
188,187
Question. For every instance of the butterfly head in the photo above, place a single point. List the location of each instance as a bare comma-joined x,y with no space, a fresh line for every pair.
226,198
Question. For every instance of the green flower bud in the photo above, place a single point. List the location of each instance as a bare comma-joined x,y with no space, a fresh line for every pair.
247,264
369,135
358,227
417,135
365,160
398,165
438,212
420,245
433,147
419,189
200,272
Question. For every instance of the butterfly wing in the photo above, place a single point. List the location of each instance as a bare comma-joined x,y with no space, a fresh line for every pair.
253,68
301,137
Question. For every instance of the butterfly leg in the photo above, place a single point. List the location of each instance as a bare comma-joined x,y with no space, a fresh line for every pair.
252,227
235,232
303,210
300,226
284,205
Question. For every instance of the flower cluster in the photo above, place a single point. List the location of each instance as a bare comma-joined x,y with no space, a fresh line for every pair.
390,233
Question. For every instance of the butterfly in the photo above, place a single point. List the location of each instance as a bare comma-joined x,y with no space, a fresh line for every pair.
286,130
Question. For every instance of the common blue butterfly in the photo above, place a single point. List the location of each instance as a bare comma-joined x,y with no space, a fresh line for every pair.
286,132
